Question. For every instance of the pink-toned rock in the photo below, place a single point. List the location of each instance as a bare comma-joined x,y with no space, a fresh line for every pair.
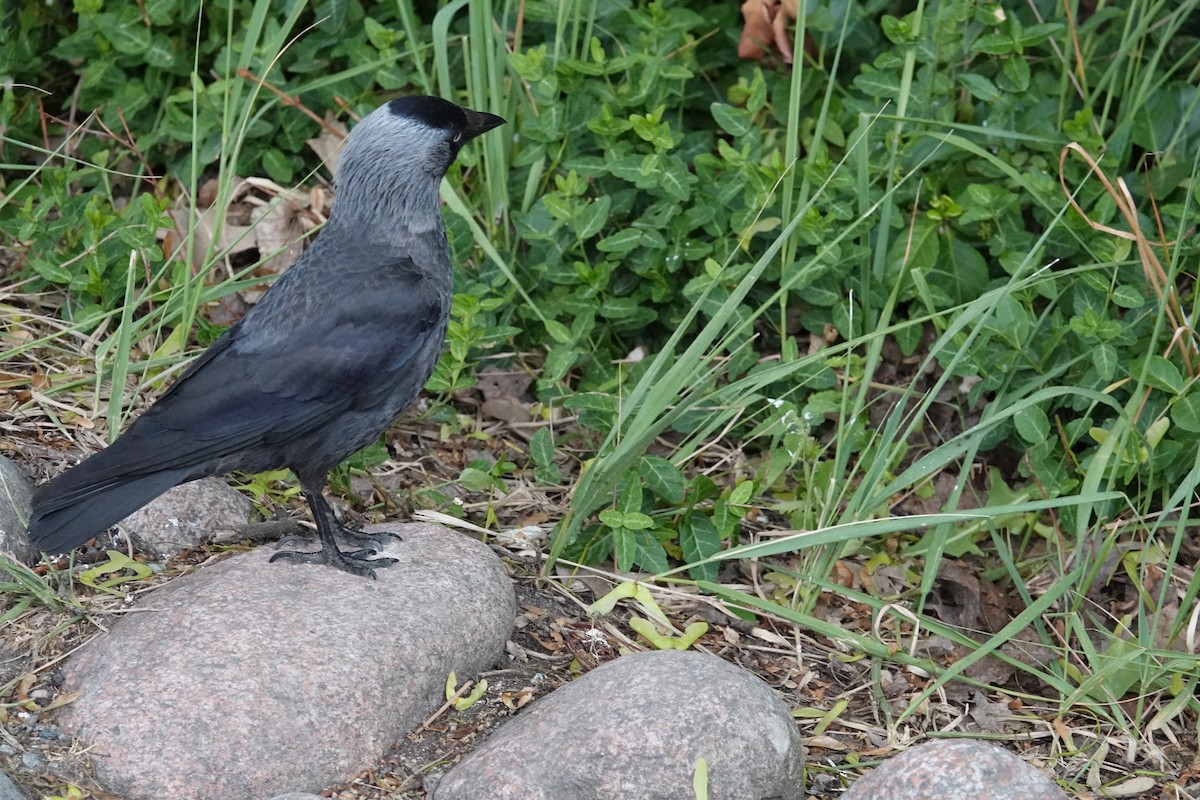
248,679
185,516
635,728
16,498
950,769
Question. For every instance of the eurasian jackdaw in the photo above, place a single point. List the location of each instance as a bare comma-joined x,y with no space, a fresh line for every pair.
332,353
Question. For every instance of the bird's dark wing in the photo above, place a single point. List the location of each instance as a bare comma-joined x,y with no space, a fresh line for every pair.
260,386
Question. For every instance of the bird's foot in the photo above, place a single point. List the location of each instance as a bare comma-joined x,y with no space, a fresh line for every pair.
369,543
355,562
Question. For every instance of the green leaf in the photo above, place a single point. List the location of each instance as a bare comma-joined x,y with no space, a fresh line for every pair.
908,337
475,480
742,493
734,121
995,44
1185,412
651,555
621,308
620,242
560,207
662,477
633,520
119,564
882,85
1105,359
1156,431
380,36
1032,424
1127,296
541,450
625,548
128,34
591,218
591,401
278,166
674,179
1014,75
898,31
726,517
979,87
1159,373
630,500
699,539
558,332
162,54
1036,34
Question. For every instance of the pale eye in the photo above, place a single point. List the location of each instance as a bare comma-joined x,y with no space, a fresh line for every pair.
457,138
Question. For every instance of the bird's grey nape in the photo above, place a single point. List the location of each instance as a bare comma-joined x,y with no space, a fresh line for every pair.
389,174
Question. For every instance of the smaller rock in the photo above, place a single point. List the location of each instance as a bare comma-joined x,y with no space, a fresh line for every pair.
16,499
185,516
948,769
635,727
9,790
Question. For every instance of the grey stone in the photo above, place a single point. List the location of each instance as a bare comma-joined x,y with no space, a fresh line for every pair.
16,498
245,679
9,790
948,769
634,728
297,796
186,516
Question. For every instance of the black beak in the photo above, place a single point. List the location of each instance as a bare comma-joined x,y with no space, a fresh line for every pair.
479,122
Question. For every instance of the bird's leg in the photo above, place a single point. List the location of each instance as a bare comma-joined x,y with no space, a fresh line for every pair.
328,528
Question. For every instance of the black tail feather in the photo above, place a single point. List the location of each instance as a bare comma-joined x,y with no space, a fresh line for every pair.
67,512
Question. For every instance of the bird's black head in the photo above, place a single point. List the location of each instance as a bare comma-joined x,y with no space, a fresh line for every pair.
460,124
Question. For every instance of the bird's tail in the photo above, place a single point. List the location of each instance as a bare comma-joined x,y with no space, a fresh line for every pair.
84,501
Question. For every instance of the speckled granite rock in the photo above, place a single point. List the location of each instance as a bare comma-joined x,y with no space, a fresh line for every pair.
247,679
9,790
954,769
16,497
185,516
634,728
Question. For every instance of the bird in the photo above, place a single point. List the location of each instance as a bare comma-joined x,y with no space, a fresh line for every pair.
337,347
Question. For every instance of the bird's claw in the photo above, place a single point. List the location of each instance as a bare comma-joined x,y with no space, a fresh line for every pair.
369,543
354,562
373,542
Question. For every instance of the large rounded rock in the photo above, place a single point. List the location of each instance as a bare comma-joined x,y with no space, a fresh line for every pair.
636,727
247,679
952,768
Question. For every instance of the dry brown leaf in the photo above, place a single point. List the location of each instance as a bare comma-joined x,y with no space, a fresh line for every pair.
987,715
278,229
228,310
328,145
494,382
757,33
956,594
506,409
766,24
234,238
